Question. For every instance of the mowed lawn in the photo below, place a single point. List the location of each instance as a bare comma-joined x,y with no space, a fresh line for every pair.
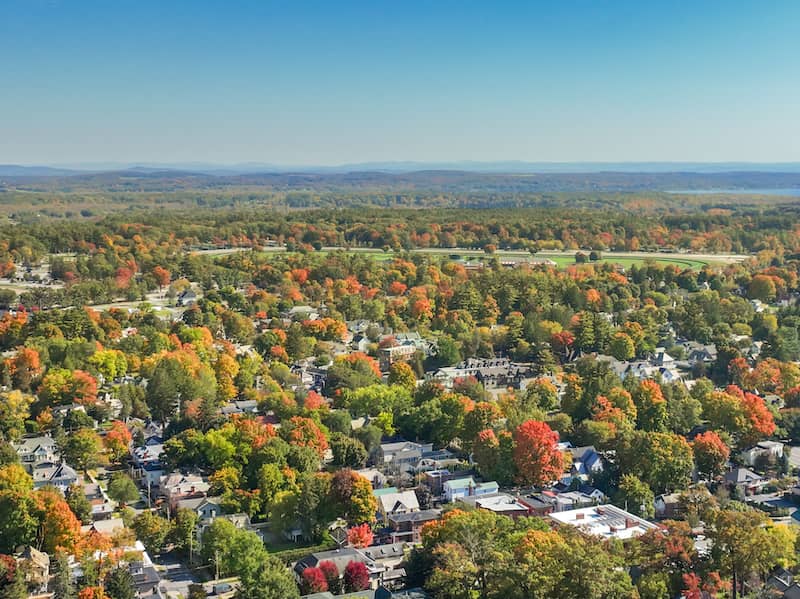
562,261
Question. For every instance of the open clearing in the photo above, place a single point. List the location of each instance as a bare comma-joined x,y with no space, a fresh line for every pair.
561,258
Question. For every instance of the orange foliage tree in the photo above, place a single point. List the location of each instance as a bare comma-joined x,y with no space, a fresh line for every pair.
536,453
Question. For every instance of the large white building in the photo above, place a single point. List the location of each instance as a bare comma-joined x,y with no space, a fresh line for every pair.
605,521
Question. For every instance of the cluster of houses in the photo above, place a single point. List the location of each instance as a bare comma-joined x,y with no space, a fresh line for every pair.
412,481
40,456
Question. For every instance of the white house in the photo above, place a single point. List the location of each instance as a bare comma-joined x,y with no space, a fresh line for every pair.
399,502
762,449
467,487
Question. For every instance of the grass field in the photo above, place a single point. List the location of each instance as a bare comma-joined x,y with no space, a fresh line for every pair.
561,260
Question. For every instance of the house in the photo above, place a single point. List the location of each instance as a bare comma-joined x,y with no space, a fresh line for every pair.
104,527
340,557
586,462
745,480
240,407
537,505
388,356
763,450
177,486
700,353
436,460
569,500
360,343
668,506
491,373
376,478
398,502
187,298
604,521
402,456
783,584
59,475
407,527
499,503
435,479
662,358
390,557
467,487
299,313
36,566
145,579
102,506
61,412
206,508
36,450
209,509
146,465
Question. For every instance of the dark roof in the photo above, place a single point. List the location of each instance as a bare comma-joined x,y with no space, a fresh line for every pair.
580,453
340,557
742,475
144,576
419,516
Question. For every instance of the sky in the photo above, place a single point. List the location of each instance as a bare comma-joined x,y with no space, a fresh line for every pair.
334,82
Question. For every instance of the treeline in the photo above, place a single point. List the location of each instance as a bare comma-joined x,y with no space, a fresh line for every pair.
522,229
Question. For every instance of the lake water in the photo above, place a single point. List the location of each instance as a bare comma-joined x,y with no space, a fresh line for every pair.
790,192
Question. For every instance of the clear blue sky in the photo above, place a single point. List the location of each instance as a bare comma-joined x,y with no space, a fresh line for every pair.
333,82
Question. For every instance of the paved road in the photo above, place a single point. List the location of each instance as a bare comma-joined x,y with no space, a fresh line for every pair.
794,456
175,576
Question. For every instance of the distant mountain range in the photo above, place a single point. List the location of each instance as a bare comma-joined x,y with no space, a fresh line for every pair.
501,167
471,178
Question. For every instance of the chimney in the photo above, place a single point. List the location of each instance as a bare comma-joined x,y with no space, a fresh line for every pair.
630,523
579,516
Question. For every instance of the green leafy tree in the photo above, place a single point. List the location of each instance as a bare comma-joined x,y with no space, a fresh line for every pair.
182,533
347,451
662,460
745,542
270,580
62,585
622,347
79,504
119,584
122,489
82,449
635,496
152,530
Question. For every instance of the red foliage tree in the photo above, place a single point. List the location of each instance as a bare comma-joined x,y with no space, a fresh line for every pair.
84,387
313,581
314,401
360,536
118,439
24,368
485,451
305,433
92,593
58,528
536,453
162,276
397,288
710,453
760,423
356,577
331,572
